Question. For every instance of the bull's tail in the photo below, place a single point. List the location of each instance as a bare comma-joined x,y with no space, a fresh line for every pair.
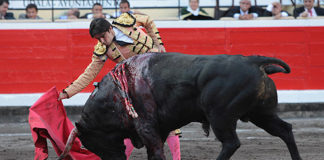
270,65
69,143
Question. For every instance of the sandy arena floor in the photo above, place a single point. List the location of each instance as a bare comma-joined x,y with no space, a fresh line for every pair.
16,142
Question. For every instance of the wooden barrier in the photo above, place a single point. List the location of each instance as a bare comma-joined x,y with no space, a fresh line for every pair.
36,56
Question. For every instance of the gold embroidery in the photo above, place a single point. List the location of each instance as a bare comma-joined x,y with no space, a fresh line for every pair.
125,19
100,49
115,52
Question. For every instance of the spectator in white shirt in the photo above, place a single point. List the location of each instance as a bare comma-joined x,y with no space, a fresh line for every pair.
96,12
244,12
308,10
275,10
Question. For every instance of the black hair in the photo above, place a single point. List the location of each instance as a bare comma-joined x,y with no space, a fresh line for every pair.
31,6
3,1
125,1
76,13
96,4
98,25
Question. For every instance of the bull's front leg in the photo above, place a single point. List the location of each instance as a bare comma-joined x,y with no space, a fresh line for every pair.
146,122
152,141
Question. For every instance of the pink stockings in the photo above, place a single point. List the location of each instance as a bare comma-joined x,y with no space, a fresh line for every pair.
173,143
129,147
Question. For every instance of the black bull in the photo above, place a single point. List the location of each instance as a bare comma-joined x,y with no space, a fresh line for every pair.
170,90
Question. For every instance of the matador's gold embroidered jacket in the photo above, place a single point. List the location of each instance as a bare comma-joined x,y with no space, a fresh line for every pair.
129,25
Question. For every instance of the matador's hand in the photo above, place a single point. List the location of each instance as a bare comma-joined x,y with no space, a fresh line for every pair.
62,96
161,48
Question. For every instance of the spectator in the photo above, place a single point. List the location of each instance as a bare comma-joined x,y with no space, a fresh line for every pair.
308,10
72,13
31,12
244,11
275,10
124,7
194,12
96,12
4,4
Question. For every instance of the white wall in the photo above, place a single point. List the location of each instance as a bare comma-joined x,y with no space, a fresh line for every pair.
47,4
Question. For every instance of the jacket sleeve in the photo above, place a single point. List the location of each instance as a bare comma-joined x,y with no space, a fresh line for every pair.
232,11
86,77
298,11
149,25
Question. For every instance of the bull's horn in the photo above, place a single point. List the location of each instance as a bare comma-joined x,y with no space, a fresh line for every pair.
69,143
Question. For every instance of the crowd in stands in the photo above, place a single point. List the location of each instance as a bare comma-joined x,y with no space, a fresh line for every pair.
245,11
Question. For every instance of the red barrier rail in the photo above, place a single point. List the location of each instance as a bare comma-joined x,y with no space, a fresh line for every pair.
36,58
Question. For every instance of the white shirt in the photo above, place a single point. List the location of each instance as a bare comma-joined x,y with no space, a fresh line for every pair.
237,15
284,14
313,12
194,12
120,36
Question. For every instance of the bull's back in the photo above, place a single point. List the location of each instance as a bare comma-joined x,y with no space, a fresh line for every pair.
196,70
169,73
178,79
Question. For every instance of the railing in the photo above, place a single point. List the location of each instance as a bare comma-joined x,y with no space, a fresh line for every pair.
51,9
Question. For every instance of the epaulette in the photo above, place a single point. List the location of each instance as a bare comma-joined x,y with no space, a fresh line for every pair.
100,49
125,19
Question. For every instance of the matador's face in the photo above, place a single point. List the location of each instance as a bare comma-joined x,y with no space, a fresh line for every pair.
107,37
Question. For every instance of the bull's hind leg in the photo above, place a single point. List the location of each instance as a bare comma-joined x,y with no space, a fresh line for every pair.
223,112
226,134
277,127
